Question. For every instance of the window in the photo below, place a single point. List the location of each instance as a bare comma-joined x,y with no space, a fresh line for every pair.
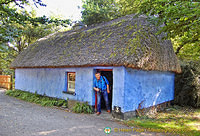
70,78
71,81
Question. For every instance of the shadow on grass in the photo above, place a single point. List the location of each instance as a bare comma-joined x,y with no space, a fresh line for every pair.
179,121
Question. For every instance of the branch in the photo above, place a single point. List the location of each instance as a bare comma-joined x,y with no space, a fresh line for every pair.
7,2
179,48
184,43
22,2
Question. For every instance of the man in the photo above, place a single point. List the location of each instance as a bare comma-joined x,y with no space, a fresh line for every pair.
101,86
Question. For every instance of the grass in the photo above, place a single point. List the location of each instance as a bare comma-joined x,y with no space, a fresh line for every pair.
36,98
175,120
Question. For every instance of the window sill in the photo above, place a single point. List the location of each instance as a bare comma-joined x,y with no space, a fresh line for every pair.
69,92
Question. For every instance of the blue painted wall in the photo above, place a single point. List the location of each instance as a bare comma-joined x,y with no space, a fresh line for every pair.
130,86
152,87
118,87
51,81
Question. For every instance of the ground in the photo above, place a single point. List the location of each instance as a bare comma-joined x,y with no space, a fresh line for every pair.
20,118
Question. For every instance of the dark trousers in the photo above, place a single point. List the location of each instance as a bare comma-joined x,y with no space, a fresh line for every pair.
105,96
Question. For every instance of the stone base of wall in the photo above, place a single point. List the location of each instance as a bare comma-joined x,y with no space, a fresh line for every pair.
71,103
150,111
124,116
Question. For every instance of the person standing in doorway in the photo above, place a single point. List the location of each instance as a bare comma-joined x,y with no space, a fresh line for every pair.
101,86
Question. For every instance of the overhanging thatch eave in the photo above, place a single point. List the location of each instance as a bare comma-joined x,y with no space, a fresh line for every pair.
89,65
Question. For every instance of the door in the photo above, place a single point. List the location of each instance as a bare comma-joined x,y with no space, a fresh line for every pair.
109,76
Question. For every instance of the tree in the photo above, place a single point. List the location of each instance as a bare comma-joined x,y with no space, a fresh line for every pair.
30,33
20,28
181,20
13,12
6,57
188,52
97,11
127,7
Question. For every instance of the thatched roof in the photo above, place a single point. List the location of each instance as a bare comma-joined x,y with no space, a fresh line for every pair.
127,41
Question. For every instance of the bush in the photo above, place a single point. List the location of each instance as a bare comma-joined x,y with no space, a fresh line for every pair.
187,85
36,98
82,108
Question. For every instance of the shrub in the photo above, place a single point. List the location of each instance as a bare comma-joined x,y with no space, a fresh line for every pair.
187,85
82,108
36,98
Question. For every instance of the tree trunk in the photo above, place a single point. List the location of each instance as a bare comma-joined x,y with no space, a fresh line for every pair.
179,48
19,45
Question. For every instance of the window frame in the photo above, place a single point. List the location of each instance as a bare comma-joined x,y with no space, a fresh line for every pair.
67,83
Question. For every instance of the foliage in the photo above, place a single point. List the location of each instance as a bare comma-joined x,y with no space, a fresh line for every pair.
19,29
127,7
97,11
13,12
187,84
36,98
82,108
174,120
181,20
188,52
6,57
28,34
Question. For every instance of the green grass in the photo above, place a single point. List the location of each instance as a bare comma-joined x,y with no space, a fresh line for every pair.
176,120
36,98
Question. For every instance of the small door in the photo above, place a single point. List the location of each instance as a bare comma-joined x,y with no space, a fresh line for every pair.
109,76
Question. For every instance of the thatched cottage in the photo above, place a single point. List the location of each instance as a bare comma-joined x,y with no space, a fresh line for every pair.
139,64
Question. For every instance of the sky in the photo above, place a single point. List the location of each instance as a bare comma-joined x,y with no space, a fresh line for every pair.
67,9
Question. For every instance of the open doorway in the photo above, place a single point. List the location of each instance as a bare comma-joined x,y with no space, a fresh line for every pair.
109,76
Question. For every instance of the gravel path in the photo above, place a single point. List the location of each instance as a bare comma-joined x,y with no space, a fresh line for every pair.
19,118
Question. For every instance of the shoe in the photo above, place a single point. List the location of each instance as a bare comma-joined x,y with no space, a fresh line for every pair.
108,111
98,113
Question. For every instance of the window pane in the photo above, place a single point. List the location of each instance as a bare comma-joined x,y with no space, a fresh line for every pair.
71,76
71,82
71,85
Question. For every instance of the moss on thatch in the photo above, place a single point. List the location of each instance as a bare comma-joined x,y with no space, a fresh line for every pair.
127,41
187,85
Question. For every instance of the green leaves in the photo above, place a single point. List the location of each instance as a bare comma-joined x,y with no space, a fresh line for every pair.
181,20
21,3
97,11
7,54
12,12
19,29
38,99
127,7
82,108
